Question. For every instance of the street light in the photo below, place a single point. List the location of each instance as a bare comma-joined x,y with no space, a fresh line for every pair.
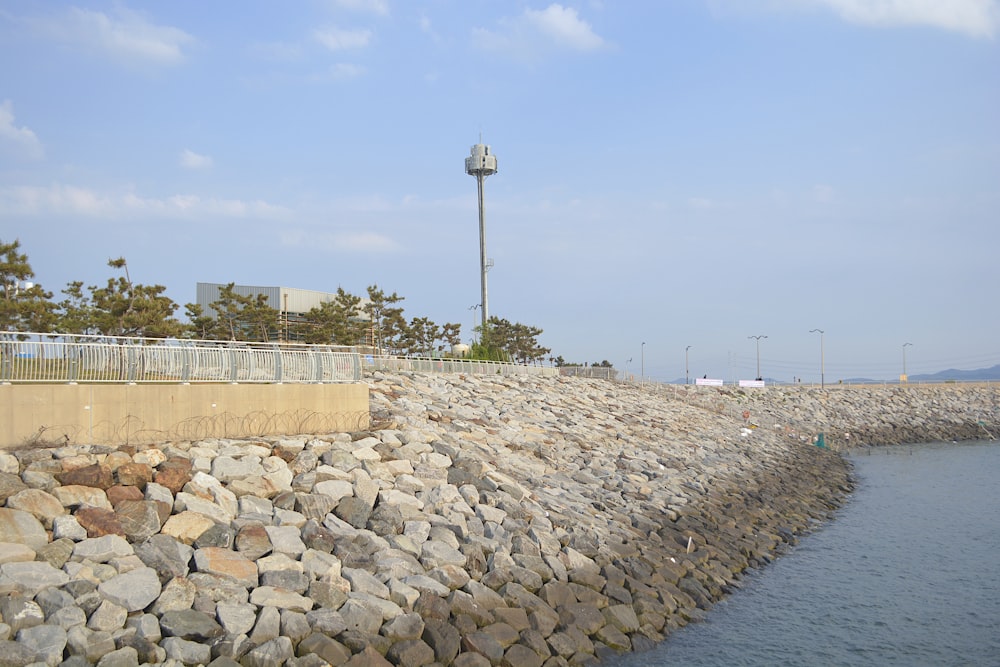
687,375
822,360
473,309
757,338
904,378
642,367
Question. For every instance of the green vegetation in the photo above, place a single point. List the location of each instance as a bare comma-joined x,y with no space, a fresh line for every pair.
124,308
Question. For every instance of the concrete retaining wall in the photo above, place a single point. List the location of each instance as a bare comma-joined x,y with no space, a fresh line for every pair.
138,414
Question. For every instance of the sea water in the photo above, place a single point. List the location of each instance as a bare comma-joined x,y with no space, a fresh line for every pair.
908,574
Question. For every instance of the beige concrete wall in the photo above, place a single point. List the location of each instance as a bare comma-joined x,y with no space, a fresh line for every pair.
137,414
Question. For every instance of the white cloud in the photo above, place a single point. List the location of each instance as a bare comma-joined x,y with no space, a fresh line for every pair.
336,72
17,140
564,26
73,200
337,39
555,26
979,18
341,71
191,160
379,7
126,36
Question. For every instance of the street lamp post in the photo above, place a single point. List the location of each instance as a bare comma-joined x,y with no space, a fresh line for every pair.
687,374
642,364
904,377
757,338
473,308
822,360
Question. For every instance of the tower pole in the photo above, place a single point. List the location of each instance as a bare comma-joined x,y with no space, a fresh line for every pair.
482,163
480,181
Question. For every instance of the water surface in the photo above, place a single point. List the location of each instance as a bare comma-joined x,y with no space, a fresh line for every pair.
908,574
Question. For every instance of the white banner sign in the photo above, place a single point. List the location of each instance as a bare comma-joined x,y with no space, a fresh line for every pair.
751,383
708,382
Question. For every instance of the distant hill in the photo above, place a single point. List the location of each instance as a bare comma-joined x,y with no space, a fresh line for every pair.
992,373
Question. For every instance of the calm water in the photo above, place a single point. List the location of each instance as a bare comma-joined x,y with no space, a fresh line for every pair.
908,575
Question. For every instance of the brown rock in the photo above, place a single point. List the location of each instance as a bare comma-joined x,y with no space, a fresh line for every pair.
173,473
138,518
134,474
226,564
252,541
96,475
99,522
118,493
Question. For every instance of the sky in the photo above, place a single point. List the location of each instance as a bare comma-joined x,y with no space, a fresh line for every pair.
674,177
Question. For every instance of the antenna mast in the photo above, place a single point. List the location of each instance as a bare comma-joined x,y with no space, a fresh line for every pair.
482,163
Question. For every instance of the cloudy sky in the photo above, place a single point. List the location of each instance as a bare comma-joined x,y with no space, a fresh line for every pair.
671,173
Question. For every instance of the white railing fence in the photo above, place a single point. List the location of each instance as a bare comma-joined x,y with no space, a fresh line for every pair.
373,363
49,358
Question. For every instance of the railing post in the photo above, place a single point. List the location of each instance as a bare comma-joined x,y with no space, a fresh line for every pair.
277,363
133,364
185,364
6,361
317,366
233,366
74,363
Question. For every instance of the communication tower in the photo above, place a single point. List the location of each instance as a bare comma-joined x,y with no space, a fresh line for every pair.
482,163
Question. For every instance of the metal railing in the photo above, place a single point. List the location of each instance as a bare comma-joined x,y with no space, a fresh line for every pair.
449,365
50,358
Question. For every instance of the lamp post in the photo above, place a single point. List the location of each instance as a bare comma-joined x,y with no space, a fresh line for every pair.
904,378
822,360
642,365
757,338
473,309
687,374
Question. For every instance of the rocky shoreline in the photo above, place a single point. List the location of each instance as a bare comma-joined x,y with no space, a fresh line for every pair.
480,521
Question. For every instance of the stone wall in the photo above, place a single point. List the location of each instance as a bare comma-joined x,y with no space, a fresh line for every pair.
864,415
480,520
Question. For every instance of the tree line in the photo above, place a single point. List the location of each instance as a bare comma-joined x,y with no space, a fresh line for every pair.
122,307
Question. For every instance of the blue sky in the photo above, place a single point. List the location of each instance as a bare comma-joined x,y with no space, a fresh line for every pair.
675,173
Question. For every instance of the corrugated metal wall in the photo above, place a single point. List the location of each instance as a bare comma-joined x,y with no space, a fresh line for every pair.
298,301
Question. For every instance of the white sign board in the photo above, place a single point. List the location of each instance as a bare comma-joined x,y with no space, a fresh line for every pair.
708,382
751,383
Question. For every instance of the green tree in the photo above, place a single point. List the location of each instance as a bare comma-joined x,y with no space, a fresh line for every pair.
75,311
451,333
200,326
338,322
420,337
388,325
515,341
25,306
124,308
